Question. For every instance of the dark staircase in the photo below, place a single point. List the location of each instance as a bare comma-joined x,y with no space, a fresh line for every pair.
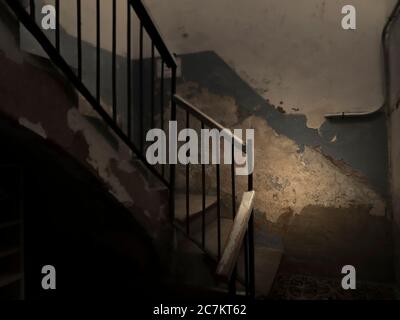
203,220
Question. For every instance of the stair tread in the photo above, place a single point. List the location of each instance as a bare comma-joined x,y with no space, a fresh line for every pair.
196,205
8,224
211,236
10,278
267,259
7,251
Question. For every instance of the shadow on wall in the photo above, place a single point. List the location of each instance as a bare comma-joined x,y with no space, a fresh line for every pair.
340,228
321,240
360,143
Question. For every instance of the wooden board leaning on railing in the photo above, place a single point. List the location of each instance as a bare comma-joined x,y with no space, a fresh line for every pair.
234,243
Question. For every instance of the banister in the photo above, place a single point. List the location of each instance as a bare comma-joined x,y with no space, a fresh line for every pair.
152,29
207,120
55,56
243,229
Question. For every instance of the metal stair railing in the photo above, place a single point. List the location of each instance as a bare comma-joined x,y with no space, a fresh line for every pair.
141,109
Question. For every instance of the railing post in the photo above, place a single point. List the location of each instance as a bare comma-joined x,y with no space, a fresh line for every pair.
79,38
98,75
57,40
129,67
232,283
252,281
114,60
32,9
172,166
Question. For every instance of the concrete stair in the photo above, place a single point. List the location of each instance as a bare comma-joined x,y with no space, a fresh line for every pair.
195,211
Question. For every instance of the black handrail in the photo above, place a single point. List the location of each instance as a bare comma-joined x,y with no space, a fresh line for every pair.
152,30
187,106
55,56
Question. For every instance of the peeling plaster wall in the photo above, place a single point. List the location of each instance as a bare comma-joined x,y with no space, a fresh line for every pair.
321,211
294,52
37,97
287,178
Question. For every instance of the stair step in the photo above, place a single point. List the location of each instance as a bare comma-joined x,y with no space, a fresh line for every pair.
193,268
195,212
195,205
9,224
5,252
211,236
7,279
267,259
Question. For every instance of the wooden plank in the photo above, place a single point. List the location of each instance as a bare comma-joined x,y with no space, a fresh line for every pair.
234,243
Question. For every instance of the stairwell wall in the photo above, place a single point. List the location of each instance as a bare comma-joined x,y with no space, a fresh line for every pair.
35,95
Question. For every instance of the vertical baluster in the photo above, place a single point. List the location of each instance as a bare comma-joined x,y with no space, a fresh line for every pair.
172,166
98,74
162,94
187,183
219,208
246,262
232,284
162,107
251,243
203,212
233,180
79,38
22,229
141,93
58,25
32,9
114,60
152,84
129,57
246,245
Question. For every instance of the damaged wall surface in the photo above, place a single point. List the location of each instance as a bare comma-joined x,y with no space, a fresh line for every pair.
307,203
37,97
315,204
293,52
